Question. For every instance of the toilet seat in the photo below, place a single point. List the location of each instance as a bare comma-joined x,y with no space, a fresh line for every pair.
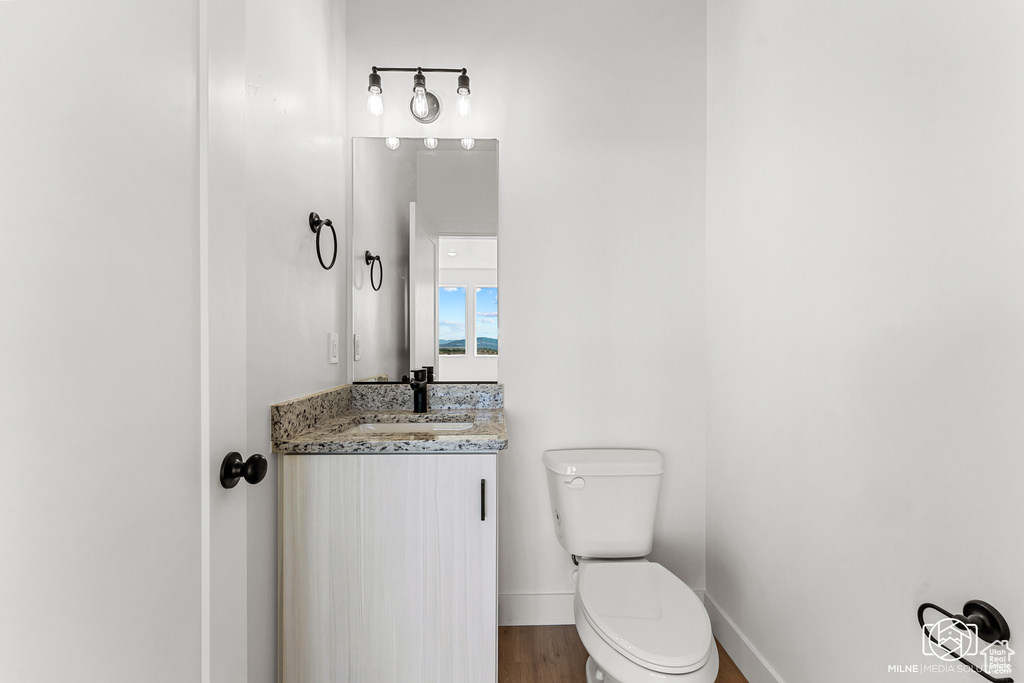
646,614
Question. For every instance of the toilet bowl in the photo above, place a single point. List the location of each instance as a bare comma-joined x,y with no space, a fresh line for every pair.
641,624
638,621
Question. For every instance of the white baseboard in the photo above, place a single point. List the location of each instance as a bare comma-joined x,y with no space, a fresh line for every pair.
535,609
749,661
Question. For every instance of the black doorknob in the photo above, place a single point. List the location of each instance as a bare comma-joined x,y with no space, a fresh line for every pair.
233,468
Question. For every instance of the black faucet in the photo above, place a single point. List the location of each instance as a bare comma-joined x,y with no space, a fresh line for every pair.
430,373
419,391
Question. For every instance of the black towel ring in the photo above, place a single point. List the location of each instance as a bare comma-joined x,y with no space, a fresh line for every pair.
372,260
315,224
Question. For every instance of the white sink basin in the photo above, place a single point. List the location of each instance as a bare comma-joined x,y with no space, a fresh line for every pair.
406,427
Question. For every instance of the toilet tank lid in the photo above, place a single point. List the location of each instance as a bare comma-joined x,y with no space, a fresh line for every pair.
604,461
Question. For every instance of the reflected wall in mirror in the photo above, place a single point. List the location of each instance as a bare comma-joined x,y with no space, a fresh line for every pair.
432,217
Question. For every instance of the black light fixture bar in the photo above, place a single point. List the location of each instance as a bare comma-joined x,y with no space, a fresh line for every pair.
414,69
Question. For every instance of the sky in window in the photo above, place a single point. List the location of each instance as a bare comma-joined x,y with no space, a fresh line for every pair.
487,312
451,306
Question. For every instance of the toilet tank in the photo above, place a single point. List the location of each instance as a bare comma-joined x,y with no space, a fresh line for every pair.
603,501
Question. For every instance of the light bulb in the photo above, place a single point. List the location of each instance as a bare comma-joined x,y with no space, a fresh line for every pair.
430,143
419,103
392,143
464,105
420,108
467,143
375,104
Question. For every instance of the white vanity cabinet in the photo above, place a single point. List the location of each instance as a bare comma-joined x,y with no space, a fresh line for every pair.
389,568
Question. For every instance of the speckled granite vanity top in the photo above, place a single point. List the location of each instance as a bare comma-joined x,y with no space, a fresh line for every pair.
320,423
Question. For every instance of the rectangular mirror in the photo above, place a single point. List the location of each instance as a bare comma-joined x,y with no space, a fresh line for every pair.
431,216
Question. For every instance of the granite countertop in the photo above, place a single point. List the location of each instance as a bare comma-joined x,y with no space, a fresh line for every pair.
317,423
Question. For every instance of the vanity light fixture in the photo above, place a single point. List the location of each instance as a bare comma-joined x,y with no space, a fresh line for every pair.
392,142
425,106
430,143
468,143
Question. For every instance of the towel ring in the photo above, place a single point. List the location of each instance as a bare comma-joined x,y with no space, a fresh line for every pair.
315,224
371,261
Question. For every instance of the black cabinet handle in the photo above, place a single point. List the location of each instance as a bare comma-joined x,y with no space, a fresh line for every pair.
232,469
483,499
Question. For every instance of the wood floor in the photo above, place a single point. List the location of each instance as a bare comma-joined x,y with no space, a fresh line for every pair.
554,654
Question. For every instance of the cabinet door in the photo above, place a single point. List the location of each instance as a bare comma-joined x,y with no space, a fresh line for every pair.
389,574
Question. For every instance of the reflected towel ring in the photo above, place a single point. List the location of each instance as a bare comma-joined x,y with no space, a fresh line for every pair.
370,261
315,224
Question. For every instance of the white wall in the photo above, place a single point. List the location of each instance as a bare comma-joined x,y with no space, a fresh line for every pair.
295,163
599,109
99,370
865,324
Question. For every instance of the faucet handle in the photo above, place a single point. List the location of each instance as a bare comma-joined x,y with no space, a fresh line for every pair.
430,372
419,375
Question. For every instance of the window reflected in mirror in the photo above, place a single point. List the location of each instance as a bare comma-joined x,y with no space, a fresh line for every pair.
486,321
469,263
451,321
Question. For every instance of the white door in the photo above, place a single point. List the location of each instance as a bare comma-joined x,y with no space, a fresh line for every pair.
122,348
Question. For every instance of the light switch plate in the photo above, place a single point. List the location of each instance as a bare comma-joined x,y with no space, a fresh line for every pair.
333,348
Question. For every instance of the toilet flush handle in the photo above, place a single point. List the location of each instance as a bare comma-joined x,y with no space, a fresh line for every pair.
576,483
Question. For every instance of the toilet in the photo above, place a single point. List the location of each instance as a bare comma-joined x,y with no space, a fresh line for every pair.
638,621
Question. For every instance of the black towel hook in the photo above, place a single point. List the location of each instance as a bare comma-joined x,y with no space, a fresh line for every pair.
315,224
372,260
